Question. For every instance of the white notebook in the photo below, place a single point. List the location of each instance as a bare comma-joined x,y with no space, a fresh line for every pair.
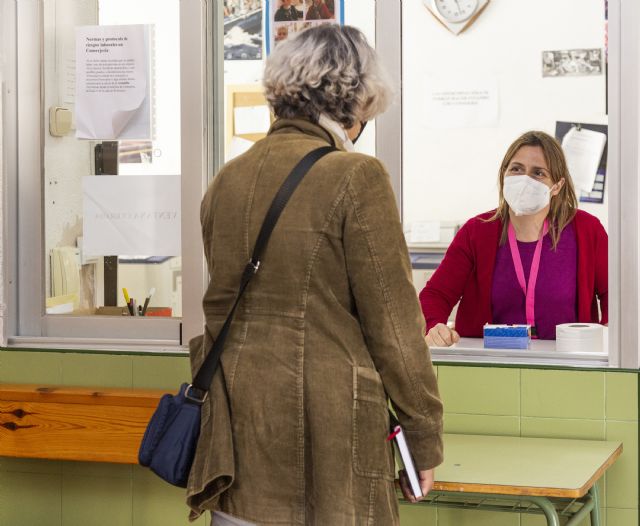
402,449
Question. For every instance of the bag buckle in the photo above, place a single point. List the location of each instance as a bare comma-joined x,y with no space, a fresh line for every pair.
193,398
255,265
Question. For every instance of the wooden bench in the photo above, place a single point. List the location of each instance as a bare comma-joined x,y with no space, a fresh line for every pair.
74,423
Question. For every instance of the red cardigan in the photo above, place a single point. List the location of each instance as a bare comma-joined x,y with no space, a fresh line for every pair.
466,275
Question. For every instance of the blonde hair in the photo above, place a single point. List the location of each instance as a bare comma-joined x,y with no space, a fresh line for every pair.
563,206
328,69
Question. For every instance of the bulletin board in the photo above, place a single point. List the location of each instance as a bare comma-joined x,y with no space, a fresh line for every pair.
242,95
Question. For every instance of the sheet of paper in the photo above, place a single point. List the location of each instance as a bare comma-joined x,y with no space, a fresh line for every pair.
131,215
237,147
461,102
425,232
67,77
251,119
113,87
583,150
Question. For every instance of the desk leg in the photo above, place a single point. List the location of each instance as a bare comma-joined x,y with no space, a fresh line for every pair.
595,511
548,508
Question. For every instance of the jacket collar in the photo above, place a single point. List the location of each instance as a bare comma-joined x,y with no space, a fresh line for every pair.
305,126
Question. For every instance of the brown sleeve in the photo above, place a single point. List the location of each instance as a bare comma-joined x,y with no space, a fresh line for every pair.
390,316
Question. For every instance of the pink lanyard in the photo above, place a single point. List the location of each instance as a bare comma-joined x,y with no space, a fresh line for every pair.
529,289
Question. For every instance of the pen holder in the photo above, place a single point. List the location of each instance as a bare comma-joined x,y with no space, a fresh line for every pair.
123,311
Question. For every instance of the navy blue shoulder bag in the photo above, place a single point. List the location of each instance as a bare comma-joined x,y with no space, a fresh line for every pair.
169,442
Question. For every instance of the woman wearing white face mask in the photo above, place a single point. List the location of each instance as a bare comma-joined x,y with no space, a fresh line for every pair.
536,259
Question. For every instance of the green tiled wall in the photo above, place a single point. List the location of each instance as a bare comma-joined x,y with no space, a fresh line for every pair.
589,405
46,493
594,405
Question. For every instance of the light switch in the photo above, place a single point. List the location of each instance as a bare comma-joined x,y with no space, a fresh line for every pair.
59,121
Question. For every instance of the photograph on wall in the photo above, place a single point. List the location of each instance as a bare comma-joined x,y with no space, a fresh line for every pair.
288,17
243,29
585,147
113,82
572,63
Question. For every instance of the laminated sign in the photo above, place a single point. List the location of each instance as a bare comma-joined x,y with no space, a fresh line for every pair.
113,87
133,215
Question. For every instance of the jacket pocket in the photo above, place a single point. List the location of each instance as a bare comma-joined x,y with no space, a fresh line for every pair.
371,452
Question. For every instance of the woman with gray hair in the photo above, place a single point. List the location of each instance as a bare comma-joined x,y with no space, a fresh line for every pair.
295,430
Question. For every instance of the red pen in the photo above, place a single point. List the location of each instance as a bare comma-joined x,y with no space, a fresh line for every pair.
394,433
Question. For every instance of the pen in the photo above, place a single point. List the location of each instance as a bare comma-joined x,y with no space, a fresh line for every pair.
127,299
135,309
147,300
130,307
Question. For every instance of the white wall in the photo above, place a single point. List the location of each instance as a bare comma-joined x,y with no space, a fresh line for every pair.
451,175
66,159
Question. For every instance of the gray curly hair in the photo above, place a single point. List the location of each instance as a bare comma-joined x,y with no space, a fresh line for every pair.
328,69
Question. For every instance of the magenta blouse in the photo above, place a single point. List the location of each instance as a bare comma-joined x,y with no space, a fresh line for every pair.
555,298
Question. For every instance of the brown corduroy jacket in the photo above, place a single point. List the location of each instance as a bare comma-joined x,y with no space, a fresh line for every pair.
329,328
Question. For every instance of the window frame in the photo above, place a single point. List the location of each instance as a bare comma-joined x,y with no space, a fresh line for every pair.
23,240
623,170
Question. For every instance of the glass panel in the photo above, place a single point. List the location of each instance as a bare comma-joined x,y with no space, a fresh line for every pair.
516,66
143,150
245,50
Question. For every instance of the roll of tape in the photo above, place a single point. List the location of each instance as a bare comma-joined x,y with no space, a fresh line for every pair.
579,337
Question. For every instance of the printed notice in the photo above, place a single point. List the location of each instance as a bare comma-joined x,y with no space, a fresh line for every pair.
463,102
131,215
583,149
113,88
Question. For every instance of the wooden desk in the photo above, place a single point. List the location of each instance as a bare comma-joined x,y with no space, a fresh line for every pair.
526,475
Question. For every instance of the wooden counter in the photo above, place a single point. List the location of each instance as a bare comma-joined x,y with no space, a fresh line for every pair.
74,423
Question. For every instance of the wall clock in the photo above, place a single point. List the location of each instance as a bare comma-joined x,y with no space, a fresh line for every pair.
456,15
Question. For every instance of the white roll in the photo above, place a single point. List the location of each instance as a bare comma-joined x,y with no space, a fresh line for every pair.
579,337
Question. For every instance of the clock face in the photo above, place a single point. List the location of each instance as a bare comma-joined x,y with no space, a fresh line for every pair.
456,10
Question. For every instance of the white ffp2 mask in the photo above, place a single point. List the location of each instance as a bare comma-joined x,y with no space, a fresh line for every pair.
524,195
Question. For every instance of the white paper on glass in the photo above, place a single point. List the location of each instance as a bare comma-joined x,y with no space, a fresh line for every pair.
583,149
113,87
131,215
67,78
238,146
425,232
461,102
251,119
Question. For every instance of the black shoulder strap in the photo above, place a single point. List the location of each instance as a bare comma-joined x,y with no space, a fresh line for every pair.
202,379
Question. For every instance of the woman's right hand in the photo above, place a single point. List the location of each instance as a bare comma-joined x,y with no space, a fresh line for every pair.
426,484
441,335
